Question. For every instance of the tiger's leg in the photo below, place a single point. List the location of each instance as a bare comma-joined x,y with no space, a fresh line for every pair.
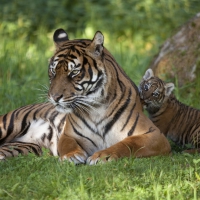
13,149
69,149
144,145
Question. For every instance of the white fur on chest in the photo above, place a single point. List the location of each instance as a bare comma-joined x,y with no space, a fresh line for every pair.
95,130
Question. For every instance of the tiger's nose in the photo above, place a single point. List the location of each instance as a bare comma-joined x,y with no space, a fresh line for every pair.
57,97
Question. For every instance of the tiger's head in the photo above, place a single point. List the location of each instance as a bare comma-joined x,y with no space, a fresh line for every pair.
77,73
154,92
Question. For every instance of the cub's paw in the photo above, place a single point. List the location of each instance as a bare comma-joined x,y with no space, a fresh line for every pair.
76,157
101,157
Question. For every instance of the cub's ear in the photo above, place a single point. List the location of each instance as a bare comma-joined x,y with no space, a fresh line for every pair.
60,36
169,87
148,74
96,47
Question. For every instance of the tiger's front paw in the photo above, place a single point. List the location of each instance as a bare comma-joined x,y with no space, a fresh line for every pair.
76,157
102,157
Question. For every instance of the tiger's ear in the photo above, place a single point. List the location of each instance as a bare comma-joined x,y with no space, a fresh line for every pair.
148,74
59,37
96,47
169,87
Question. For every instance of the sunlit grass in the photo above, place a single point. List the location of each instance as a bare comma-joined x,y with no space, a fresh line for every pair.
45,177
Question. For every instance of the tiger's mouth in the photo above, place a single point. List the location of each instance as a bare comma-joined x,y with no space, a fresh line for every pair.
78,104
145,102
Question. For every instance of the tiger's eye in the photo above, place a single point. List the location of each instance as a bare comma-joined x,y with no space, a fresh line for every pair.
155,94
75,72
146,87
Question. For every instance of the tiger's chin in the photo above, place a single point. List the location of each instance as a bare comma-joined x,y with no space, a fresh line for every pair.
62,109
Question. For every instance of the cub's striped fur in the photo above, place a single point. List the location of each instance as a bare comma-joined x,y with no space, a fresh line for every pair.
177,121
104,114
30,128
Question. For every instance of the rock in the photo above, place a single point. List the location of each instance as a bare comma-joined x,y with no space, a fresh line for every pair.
179,56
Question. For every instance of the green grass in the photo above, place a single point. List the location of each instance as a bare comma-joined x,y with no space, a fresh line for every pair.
31,177
23,70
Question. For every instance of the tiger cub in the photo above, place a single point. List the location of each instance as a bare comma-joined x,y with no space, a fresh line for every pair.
177,121
94,114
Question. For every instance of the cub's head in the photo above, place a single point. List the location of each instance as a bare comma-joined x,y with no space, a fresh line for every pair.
77,73
153,91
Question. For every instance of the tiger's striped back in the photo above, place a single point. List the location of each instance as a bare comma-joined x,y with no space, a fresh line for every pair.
176,120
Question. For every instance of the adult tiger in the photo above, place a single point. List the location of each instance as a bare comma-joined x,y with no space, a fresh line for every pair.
177,121
95,111
104,114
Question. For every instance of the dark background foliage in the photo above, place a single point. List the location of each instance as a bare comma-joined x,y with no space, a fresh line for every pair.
118,18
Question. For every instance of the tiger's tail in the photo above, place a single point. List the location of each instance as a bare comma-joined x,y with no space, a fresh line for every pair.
13,149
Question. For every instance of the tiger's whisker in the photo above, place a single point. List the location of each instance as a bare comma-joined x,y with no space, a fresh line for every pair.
81,109
86,104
